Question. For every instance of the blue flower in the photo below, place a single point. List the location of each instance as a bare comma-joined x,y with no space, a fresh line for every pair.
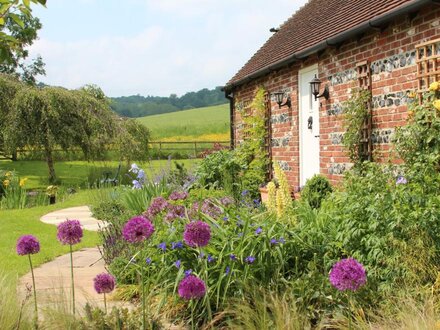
210,258
244,192
273,241
281,241
148,261
134,168
141,175
257,202
201,255
136,184
225,219
176,245
177,264
233,257
401,180
227,270
249,260
188,272
258,231
162,246
240,234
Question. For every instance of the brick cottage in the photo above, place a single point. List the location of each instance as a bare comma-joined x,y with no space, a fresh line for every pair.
386,46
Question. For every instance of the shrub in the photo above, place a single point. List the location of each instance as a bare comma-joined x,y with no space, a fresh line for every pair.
315,190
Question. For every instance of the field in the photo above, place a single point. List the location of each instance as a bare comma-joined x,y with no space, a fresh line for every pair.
203,124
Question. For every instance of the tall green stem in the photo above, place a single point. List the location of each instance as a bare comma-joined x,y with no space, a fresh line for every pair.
35,291
71,277
143,298
105,304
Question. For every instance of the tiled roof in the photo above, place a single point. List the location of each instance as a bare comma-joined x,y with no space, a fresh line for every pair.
315,22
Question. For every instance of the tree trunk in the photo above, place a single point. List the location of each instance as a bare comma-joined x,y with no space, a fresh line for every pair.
50,165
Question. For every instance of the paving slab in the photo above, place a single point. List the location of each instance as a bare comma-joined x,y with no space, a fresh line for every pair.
81,213
53,282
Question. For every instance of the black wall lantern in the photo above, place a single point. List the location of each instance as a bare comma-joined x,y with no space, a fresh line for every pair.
279,97
315,85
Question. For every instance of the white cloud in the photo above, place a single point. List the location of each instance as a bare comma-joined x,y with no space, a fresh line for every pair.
211,42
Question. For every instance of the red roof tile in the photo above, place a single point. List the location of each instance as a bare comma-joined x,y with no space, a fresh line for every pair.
315,22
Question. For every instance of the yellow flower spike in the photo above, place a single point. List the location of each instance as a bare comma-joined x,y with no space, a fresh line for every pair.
6,182
272,192
23,182
436,104
434,86
8,174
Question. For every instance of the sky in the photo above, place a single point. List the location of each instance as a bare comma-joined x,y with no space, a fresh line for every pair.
152,47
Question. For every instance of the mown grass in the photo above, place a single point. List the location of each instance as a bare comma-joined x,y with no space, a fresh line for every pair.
74,173
190,124
14,223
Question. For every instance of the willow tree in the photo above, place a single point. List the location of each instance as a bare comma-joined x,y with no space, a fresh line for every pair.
54,117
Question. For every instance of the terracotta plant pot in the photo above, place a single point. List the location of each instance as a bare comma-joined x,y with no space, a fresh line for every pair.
264,195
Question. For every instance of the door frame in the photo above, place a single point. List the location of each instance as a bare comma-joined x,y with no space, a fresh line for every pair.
301,72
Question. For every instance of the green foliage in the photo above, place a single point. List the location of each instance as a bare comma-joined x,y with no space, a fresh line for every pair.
252,153
132,141
418,142
355,115
316,190
140,106
13,14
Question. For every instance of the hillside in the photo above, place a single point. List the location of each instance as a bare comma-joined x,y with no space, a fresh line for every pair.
139,106
202,124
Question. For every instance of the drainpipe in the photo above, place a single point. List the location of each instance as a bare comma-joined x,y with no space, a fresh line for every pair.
230,97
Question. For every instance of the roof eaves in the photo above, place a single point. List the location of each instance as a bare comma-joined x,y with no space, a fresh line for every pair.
377,21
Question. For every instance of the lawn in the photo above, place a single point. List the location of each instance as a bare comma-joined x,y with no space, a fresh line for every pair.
202,124
75,173
14,223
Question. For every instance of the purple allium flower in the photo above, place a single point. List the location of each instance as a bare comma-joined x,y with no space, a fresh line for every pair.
176,245
258,231
27,244
157,205
227,270
162,246
192,287
226,201
178,195
401,180
207,207
232,257
197,234
347,274
177,264
188,272
210,258
137,229
136,184
148,261
70,232
175,212
104,283
249,260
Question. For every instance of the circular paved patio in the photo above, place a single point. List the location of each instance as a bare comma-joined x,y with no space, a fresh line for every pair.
81,213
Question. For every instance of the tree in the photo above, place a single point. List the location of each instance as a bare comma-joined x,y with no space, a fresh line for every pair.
54,117
16,63
11,16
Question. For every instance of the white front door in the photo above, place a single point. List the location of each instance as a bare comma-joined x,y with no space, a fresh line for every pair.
308,126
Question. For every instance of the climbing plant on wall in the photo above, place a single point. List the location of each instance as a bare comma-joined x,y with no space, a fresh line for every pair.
252,153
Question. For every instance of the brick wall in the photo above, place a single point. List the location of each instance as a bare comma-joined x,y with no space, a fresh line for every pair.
391,54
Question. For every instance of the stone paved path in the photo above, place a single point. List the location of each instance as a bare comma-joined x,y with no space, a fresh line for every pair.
52,279
81,213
